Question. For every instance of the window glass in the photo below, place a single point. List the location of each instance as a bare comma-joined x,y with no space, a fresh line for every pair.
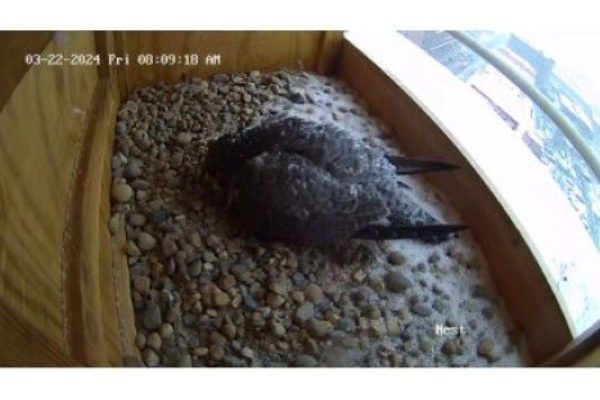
571,86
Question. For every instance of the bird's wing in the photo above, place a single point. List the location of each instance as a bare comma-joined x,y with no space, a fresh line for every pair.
325,144
298,198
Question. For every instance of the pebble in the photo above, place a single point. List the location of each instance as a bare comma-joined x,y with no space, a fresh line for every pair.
121,128
184,361
169,247
195,269
133,170
209,257
421,309
486,349
314,293
140,340
166,330
274,300
451,347
229,331
318,328
159,216
184,138
142,284
440,306
377,284
131,249
278,329
216,352
304,312
377,327
146,241
174,316
141,195
220,298
393,326
137,219
248,353
488,312
397,281
305,361
152,317
154,341
151,359
177,159
359,276
200,351
396,258
113,224
122,192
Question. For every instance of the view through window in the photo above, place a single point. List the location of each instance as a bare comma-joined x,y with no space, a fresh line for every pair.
562,68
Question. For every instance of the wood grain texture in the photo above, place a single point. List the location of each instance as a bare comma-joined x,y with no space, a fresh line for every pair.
92,292
329,52
125,313
91,316
40,131
590,359
584,351
24,345
240,52
514,269
13,48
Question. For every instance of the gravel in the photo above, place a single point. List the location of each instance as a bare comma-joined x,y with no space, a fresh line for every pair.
206,293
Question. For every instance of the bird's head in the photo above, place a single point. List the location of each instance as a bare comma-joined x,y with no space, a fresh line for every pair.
223,158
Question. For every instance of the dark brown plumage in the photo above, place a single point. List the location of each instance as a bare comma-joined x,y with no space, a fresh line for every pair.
305,182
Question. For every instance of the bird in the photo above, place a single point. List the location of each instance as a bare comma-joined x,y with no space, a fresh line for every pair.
300,181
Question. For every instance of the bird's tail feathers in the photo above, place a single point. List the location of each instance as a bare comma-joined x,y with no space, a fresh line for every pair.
409,166
434,233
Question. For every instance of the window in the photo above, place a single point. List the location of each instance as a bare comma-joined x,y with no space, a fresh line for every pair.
571,87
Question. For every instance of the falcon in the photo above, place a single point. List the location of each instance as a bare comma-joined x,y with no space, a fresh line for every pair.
305,182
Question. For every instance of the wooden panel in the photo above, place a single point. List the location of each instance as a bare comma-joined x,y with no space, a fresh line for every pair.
24,345
89,291
514,269
125,313
584,351
592,359
96,298
13,48
40,131
239,51
329,52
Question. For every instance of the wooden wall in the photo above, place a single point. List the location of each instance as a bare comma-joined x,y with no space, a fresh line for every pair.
40,131
57,304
